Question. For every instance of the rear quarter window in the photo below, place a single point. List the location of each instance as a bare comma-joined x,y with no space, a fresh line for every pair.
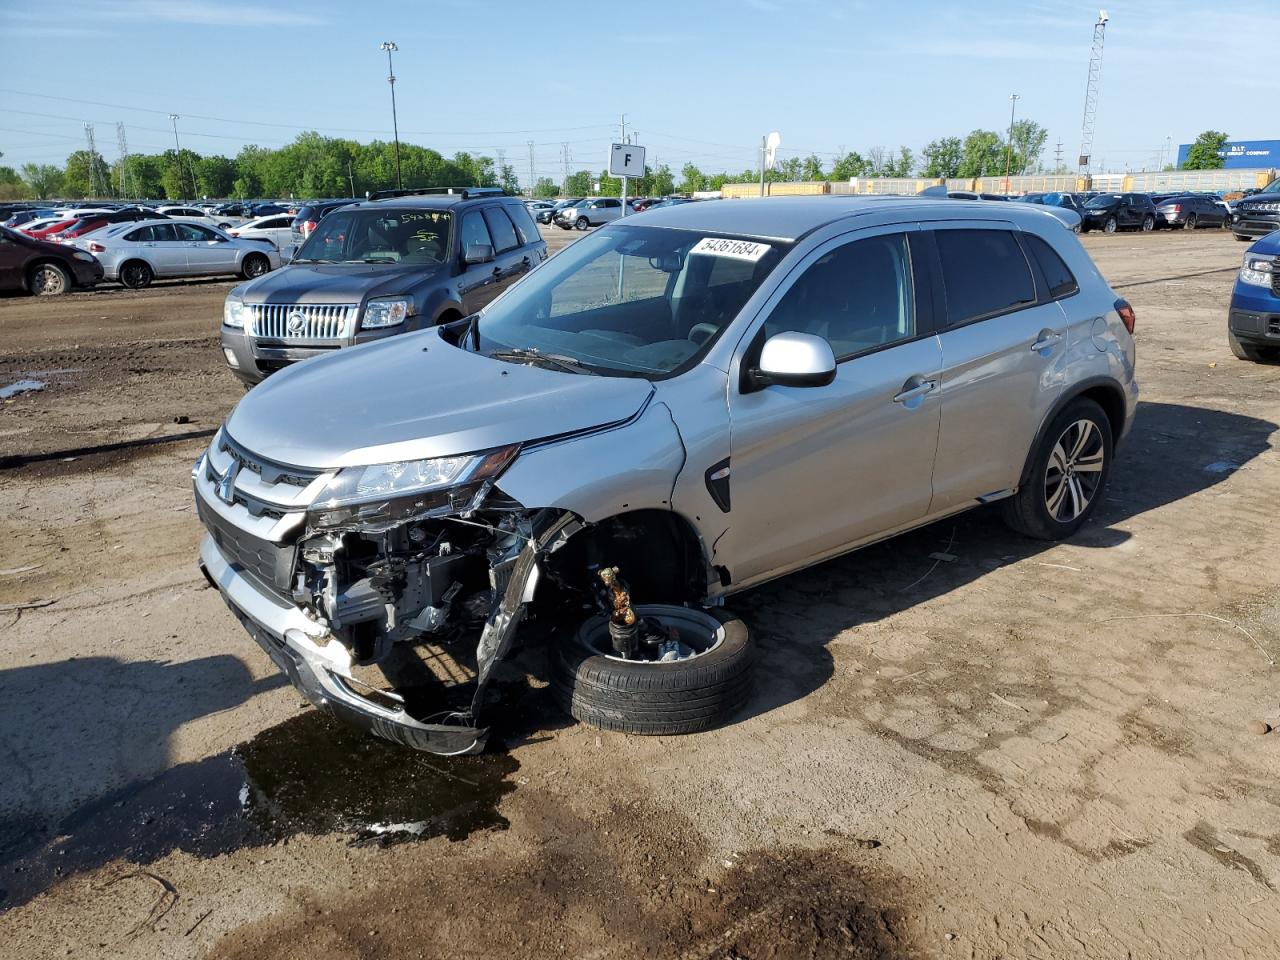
984,273
501,229
525,226
1057,275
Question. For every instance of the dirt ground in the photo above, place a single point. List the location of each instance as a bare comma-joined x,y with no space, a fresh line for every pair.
1032,751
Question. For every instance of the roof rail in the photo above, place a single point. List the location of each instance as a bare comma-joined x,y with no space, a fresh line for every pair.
466,193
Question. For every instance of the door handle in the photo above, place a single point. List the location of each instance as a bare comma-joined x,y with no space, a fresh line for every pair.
527,262
1047,339
914,389
497,271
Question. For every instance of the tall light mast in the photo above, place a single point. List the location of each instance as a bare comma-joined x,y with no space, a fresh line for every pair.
1091,93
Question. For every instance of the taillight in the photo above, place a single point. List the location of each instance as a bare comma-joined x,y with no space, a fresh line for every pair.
1127,316
97,248
307,227
1177,208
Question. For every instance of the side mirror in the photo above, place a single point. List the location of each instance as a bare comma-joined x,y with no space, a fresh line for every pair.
795,360
479,253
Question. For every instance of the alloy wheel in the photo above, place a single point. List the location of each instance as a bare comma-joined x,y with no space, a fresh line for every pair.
48,281
1075,471
1110,225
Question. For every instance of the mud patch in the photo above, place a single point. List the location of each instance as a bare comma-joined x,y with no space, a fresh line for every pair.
308,775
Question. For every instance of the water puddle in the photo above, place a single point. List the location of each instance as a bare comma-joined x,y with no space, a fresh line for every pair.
21,386
308,775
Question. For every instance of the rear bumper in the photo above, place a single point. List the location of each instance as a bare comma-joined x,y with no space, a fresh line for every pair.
320,667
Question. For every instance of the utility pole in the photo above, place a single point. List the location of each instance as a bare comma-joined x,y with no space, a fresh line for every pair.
564,160
531,178
1091,92
174,118
93,153
763,149
501,154
351,180
1057,156
1008,154
391,48
122,145
624,188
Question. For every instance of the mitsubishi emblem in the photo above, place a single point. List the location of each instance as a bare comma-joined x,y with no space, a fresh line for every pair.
226,488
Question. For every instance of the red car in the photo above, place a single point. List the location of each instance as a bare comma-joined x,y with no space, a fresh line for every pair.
41,232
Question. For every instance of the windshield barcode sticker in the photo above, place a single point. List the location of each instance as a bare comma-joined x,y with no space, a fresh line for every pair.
736,249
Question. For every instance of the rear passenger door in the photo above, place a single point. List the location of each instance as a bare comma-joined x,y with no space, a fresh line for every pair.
162,248
512,262
1004,358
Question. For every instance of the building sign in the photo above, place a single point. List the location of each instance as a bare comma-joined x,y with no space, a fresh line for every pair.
1243,153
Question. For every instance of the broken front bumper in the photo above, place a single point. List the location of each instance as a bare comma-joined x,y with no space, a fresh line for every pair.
320,667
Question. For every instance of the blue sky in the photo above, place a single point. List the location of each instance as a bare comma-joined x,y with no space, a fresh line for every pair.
699,80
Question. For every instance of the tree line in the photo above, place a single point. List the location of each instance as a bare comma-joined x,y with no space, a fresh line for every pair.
318,166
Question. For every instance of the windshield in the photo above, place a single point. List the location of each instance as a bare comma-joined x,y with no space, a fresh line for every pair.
1105,201
1272,187
630,300
379,236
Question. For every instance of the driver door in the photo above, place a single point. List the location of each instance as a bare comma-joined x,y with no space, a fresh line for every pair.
206,253
815,470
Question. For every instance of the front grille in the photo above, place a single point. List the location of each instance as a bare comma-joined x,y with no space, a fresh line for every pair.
270,471
1273,326
301,321
1275,277
270,564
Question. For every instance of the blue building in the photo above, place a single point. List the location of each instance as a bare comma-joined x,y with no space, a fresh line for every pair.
1243,153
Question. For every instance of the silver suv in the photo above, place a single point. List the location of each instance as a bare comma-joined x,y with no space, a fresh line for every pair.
675,408
584,214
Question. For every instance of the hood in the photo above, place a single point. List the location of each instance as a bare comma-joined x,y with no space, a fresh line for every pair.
1269,244
416,396
336,282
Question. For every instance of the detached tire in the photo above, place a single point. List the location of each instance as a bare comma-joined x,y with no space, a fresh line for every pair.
656,699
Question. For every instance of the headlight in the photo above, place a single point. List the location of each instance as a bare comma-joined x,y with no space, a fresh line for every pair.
1257,270
384,313
407,488
81,255
233,312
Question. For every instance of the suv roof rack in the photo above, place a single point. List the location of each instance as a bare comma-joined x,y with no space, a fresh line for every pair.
466,193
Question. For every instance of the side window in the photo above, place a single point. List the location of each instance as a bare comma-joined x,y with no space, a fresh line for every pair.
500,228
165,232
474,231
140,236
525,226
857,297
1057,274
984,272
193,234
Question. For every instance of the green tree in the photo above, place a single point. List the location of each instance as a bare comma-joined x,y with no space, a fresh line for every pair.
545,187
44,179
1029,139
579,184
903,165
509,182
662,182
811,168
982,156
86,176
692,179
849,166
1206,152
12,186
215,176
942,158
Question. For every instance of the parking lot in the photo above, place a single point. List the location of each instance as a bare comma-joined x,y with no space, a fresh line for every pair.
961,743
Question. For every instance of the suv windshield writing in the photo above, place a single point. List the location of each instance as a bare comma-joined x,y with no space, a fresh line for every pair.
379,236
631,301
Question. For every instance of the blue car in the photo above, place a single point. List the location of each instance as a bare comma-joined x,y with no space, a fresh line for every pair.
1253,324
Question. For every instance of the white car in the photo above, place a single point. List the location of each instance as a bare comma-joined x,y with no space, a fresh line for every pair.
195,213
137,253
278,228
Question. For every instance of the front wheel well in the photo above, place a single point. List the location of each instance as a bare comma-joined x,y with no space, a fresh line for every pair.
657,552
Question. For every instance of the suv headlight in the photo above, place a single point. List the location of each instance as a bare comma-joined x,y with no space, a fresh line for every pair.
1257,269
385,313
388,492
233,312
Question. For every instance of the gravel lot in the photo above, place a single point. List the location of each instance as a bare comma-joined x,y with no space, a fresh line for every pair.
1031,751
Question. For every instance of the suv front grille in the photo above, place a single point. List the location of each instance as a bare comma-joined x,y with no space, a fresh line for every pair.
270,564
301,321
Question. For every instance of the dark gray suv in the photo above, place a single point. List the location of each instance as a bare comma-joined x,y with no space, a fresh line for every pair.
378,268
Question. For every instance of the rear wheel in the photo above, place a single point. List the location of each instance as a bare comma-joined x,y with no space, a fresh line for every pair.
1148,223
705,678
255,265
582,223
135,274
1249,351
48,280
1190,223
1068,473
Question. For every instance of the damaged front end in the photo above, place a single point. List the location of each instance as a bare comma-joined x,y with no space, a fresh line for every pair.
383,562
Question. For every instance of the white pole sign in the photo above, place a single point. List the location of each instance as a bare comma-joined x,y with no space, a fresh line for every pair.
626,160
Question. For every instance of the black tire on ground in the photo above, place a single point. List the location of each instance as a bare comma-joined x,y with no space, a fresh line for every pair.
48,280
254,265
654,699
1249,351
1111,225
1242,239
1148,224
135,274
1189,223
582,223
1029,510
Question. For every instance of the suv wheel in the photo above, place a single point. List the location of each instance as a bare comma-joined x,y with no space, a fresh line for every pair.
1148,223
1111,225
1189,223
582,223
1249,351
48,280
1068,474
684,695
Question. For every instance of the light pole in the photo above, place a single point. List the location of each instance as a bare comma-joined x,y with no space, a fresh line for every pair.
395,126
1008,157
174,118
